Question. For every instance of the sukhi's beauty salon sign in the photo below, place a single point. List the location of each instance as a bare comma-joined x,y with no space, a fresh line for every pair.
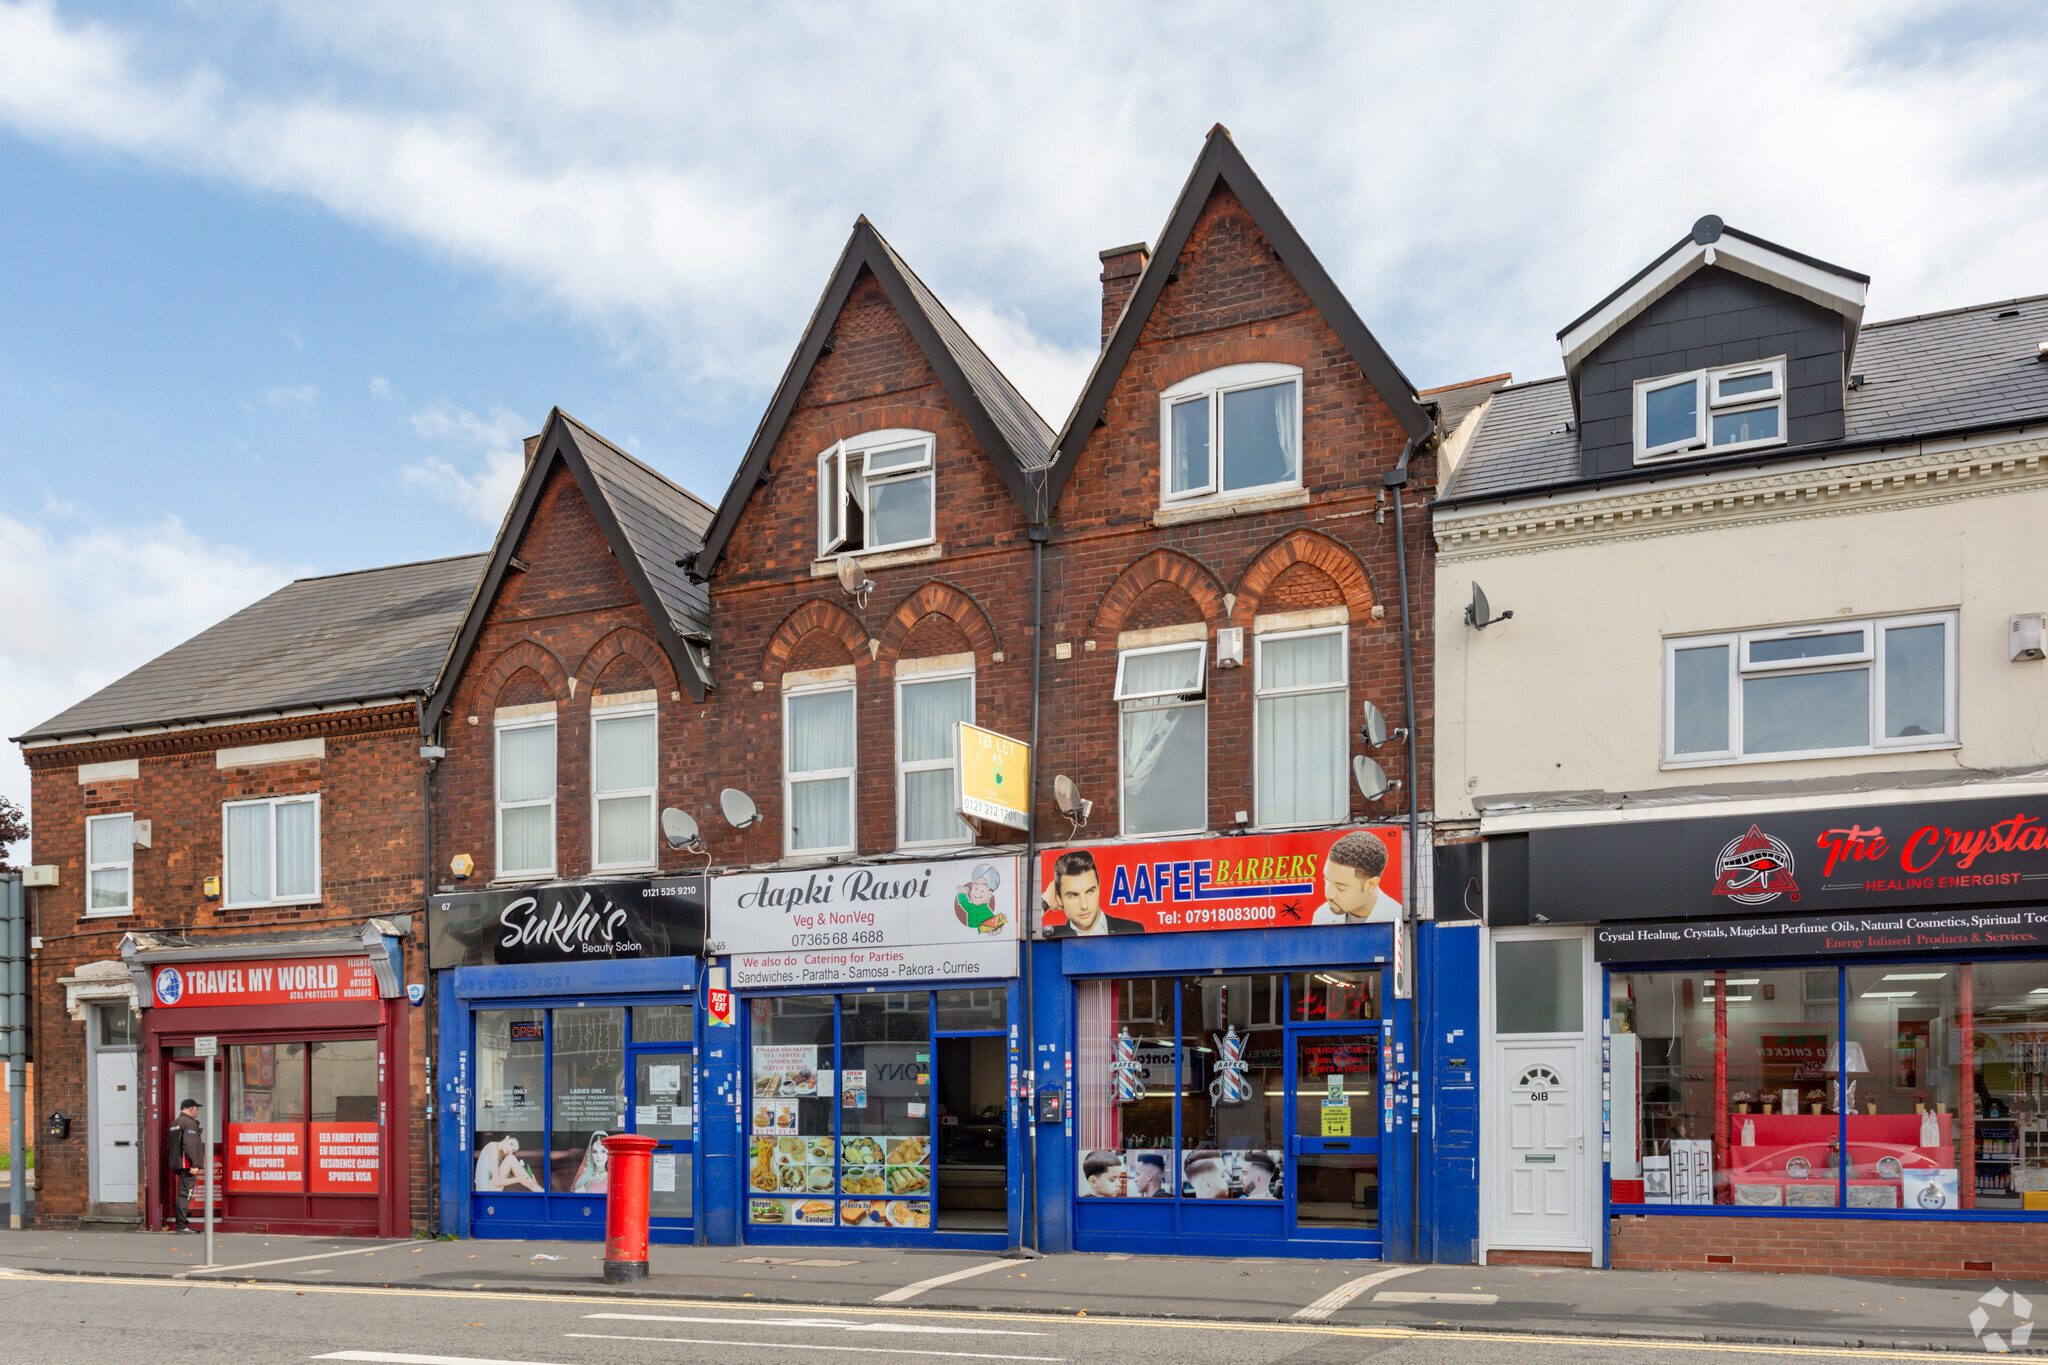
567,922
951,919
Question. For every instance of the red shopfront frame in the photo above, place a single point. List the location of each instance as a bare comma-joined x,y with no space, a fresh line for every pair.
311,1211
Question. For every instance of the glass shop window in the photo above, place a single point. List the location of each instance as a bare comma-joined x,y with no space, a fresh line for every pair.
589,1096
509,1139
1124,1089
1232,1087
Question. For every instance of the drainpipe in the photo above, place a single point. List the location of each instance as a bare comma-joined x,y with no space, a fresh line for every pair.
1397,479
15,1018
1040,533
432,1006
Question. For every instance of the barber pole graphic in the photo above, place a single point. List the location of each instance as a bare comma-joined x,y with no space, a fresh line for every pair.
1232,1085
1125,1083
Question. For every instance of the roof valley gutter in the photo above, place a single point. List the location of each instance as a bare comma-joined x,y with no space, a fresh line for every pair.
1397,479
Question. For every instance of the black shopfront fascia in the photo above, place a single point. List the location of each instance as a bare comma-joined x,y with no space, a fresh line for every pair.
587,921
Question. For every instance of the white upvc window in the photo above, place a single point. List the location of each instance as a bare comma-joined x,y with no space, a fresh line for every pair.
1163,740
929,709
272,851
817,770
1303,689
624,763
1843,687
875,492
1718,412
1233,430
110,864
526,796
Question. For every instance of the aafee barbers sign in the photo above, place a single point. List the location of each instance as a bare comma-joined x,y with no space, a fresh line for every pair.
950,919
1804,863
567,922
1988,930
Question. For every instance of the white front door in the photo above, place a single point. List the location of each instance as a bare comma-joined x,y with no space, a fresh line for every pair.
1544,1156
115,1152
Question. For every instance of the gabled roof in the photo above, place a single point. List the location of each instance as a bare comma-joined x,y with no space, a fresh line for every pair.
650,523
1712,242
1455,401
1221,161
1936,374
1009,429
329,641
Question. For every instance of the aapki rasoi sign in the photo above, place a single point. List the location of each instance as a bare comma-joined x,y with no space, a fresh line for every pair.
1260,881
283,981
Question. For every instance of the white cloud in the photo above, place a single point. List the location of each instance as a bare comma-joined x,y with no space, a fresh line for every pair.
87,602
1047,374
380,389
291,396
488,454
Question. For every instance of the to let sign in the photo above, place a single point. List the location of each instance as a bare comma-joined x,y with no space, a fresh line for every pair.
285,981
995,777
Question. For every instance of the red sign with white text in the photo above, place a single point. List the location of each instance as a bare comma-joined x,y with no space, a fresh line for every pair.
1256,881
266,1158
283,981
346,1158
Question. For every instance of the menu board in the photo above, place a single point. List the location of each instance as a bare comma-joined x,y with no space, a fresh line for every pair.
346,1158
956,918
266,1157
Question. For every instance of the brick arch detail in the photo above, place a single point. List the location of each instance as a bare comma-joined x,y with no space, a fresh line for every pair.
626,640
524,654
912,416
1239,350
817,613
949,602
1160,566
1300,546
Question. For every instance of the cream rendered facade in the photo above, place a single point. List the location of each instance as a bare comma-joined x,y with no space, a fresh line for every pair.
1555,716
1569,695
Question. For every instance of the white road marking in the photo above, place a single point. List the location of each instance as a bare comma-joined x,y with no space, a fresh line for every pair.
777,1346
289,1260
1345,1293
403,1358
821,1322
1405,1296
911,1291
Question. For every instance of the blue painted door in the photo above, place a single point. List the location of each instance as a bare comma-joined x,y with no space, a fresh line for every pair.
1335,1168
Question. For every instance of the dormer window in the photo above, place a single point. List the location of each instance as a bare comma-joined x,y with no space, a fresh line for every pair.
1231,430
875,493
1718,412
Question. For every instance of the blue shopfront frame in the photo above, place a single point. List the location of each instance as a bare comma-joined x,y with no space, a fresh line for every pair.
1196,1227
935,1238
1841,966
576,985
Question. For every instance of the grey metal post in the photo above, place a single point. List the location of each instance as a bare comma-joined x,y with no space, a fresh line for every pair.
208,1105
15,1019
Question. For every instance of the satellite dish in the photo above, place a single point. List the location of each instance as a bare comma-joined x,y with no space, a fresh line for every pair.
738,808
850,576
1479,615
1065,794
1375,727
1373,782
678,828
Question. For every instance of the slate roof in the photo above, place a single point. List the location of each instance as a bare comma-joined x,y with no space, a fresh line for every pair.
650,523
1975,367
1012,434
662,522
317,642
1455,401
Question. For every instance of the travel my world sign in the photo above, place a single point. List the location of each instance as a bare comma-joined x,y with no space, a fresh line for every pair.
1805,864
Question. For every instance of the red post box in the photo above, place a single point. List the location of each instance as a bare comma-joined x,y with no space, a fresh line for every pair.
625,1213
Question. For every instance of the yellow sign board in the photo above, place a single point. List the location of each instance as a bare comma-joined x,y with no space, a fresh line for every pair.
1336,1120
995,777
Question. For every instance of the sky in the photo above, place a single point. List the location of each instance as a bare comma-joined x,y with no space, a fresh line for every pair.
282,286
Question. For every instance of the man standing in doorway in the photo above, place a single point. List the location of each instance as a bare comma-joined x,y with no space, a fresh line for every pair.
187,1152
1076,892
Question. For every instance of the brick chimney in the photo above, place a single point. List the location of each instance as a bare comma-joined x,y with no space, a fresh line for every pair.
1121,266
532,444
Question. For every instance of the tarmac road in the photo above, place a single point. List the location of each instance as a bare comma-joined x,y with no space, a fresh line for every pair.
64,1320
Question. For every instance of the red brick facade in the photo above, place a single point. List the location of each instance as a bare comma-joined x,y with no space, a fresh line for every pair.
565,629
1921,1250
372,862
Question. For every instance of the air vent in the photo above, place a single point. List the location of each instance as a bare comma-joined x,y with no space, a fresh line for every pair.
2010,313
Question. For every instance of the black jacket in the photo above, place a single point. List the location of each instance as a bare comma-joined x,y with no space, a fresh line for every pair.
1115,926
187,1150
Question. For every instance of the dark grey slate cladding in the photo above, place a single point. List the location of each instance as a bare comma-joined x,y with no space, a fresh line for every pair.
1715,317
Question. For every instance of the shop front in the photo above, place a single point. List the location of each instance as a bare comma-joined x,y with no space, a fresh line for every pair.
309,1039
1819,1019
568,1013
878,1017
1236,1080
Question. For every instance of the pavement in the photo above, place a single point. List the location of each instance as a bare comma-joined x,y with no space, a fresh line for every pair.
1726,1307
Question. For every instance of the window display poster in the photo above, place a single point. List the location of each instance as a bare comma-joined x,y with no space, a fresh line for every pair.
1257,881
788,1070
665,1080
854,1091
1210,1174
1336,1120
266,1157
346,1158
1927,1190
774,1116
661,1116
662,1173
954,918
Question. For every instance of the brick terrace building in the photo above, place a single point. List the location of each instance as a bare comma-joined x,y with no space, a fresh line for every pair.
249,803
